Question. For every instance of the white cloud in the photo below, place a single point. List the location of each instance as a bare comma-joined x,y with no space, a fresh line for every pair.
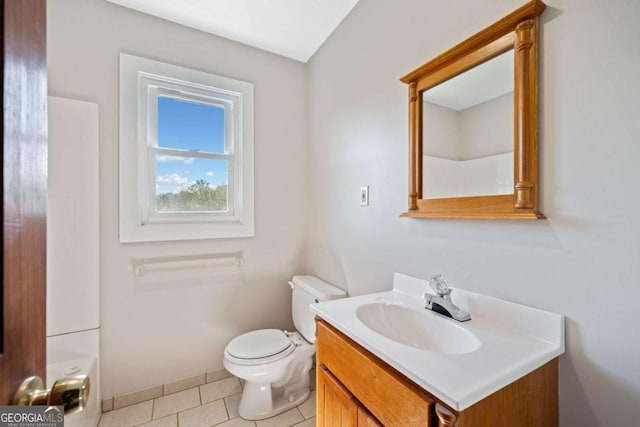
209,174
172,179
167,158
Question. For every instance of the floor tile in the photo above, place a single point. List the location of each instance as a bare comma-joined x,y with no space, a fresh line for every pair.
220,374
128,399
176,402
107,405
308,407
237,422
311,422
232,403
203,416
185,384
214,404
129,416
170,421
219,389
289,418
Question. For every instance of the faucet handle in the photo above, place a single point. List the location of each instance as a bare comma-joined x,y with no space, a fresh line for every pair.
439,284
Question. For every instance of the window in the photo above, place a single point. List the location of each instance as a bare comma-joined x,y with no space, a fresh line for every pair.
186,153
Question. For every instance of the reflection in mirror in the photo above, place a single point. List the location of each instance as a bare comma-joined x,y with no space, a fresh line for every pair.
468,132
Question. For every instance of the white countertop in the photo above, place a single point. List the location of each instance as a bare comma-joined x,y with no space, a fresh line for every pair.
515,340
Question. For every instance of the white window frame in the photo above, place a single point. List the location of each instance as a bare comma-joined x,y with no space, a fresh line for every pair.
152,87
142,81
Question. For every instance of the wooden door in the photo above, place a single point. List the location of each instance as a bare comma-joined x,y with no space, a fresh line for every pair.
336,406
24,190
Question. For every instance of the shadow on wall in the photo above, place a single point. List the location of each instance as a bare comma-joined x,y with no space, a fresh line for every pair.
577,374
250,297
547,117
327,260
509,233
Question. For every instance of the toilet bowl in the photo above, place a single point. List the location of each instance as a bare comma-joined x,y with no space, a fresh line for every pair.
275,364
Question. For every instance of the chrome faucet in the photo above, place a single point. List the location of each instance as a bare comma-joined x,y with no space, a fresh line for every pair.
441,302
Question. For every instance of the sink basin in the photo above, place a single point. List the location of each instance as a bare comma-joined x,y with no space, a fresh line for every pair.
419,329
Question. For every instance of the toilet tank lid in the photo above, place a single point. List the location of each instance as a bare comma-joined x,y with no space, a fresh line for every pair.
318,288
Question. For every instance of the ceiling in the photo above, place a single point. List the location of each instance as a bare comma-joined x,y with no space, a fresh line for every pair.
291,28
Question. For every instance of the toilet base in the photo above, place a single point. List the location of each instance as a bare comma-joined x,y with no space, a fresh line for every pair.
271,401
277,386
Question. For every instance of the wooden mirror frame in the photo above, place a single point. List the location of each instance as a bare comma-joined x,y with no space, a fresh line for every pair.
517,31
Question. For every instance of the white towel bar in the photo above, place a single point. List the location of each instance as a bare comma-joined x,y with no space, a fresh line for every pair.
146,266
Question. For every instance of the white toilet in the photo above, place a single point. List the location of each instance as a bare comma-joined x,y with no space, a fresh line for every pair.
275,364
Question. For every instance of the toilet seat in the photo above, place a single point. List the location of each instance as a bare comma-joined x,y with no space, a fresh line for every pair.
259,347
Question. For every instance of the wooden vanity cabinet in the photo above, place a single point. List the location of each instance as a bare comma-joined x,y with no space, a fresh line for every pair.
339,406
351,378
356,388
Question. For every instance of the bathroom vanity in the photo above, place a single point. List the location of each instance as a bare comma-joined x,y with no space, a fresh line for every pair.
382,359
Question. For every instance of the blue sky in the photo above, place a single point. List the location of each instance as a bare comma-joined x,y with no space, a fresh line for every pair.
189,126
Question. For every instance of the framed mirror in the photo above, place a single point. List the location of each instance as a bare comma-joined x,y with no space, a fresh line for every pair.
473,125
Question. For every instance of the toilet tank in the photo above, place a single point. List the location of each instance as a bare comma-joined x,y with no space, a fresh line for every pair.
310,290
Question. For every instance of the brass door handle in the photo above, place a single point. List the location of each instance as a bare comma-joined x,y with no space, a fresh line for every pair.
70,392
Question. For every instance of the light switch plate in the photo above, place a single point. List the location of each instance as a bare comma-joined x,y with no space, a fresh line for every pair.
364,195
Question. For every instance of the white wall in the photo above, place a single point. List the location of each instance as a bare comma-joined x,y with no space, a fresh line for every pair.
155,335
441,132
482,130
582,262
487,128
461,178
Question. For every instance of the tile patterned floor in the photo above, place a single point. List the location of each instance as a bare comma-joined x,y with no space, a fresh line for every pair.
213,404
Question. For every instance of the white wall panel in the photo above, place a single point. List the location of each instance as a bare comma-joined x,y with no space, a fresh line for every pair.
73,254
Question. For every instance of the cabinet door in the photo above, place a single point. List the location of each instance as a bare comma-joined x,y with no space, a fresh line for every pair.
365,419
336,405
